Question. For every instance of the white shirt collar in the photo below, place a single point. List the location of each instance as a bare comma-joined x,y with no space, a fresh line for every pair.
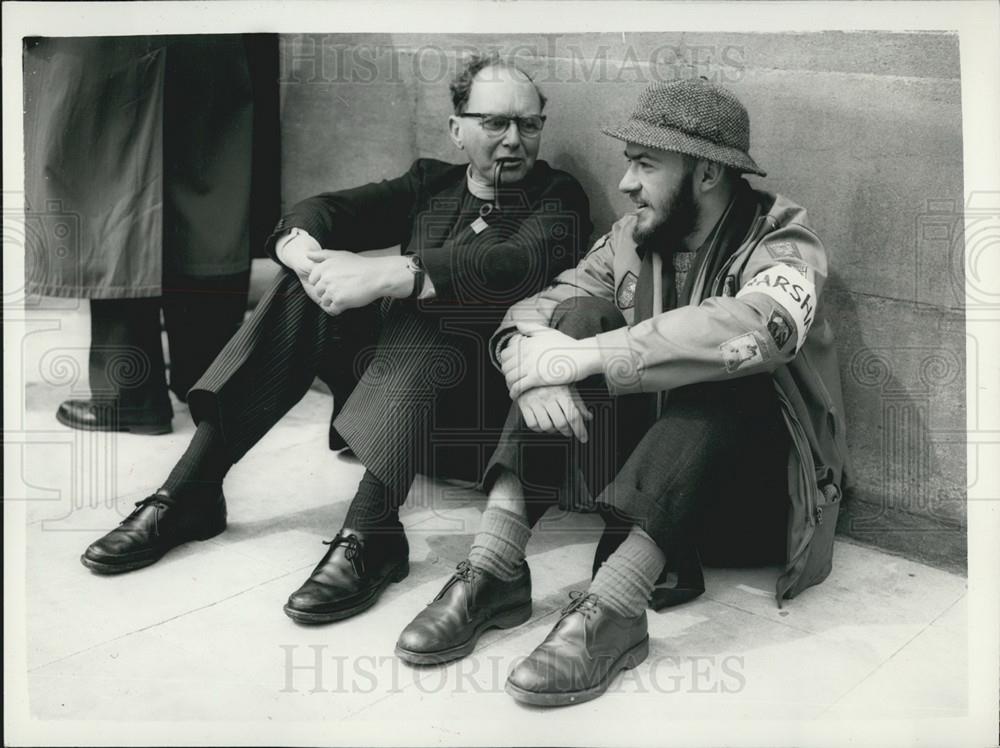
477,187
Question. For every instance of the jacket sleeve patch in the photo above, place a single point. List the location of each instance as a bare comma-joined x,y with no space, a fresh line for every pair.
741,352
782,250
625,296
791,290
780,327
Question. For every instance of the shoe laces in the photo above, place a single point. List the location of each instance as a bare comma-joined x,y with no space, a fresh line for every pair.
352,552
157,500
464,572
582,602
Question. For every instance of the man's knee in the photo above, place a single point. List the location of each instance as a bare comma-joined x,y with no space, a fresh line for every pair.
584,316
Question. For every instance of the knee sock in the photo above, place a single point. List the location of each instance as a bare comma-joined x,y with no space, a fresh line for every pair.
203,465
499,545
626,580
375,507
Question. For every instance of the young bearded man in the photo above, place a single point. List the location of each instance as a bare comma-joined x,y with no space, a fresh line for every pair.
401,339
685,367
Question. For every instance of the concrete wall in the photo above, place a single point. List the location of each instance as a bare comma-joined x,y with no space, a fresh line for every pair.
862,129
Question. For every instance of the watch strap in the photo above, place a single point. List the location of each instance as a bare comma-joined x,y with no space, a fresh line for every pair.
417,268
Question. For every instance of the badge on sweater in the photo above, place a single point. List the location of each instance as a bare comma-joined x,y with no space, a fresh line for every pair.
742,351
625,296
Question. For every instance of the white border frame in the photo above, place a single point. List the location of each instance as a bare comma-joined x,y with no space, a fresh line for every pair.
978,27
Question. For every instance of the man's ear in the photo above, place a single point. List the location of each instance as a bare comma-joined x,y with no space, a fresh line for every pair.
709,174
455,132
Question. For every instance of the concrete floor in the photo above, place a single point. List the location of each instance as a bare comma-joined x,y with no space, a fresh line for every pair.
201,636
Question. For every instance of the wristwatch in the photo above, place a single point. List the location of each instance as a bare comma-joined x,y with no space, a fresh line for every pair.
416,266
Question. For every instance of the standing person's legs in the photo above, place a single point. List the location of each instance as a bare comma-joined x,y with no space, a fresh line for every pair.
210,152
200,316
126,368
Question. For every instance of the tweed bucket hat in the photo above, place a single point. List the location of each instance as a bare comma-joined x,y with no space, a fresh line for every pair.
695,117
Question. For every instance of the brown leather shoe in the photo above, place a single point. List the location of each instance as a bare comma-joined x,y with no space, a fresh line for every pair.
470,603
581,656
94,415
351,576
158,523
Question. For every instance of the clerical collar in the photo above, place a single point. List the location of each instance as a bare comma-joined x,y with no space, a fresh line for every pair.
476,187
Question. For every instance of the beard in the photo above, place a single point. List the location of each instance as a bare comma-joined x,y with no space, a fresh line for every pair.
678,214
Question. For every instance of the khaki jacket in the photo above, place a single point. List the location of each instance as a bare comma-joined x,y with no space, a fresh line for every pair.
761,312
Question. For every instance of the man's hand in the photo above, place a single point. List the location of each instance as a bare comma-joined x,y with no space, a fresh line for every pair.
555,408
345,280
294,254
541,356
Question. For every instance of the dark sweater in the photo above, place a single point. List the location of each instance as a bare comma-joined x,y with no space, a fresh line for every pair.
542,228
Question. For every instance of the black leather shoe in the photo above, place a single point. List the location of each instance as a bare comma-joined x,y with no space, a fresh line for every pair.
580,657
158,523
470,603
95,415
351,576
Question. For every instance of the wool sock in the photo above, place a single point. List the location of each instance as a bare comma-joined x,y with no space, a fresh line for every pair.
499,545
375,507
203,465
626,580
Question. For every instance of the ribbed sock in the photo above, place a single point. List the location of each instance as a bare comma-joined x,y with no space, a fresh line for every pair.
499,545
374,508
203,465
626,580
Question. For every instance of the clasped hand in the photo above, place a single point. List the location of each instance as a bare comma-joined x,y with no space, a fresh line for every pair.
555,408
337,280
344,280
539,356
541,366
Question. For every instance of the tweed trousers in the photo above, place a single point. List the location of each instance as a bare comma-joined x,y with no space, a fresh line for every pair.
709,471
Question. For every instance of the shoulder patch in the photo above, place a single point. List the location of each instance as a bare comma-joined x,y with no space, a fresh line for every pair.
782,250
742,351
625,296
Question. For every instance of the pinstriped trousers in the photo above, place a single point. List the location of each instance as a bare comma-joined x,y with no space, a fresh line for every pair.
272,360
404,376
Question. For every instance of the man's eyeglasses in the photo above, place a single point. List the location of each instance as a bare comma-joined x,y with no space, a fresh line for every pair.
497,124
